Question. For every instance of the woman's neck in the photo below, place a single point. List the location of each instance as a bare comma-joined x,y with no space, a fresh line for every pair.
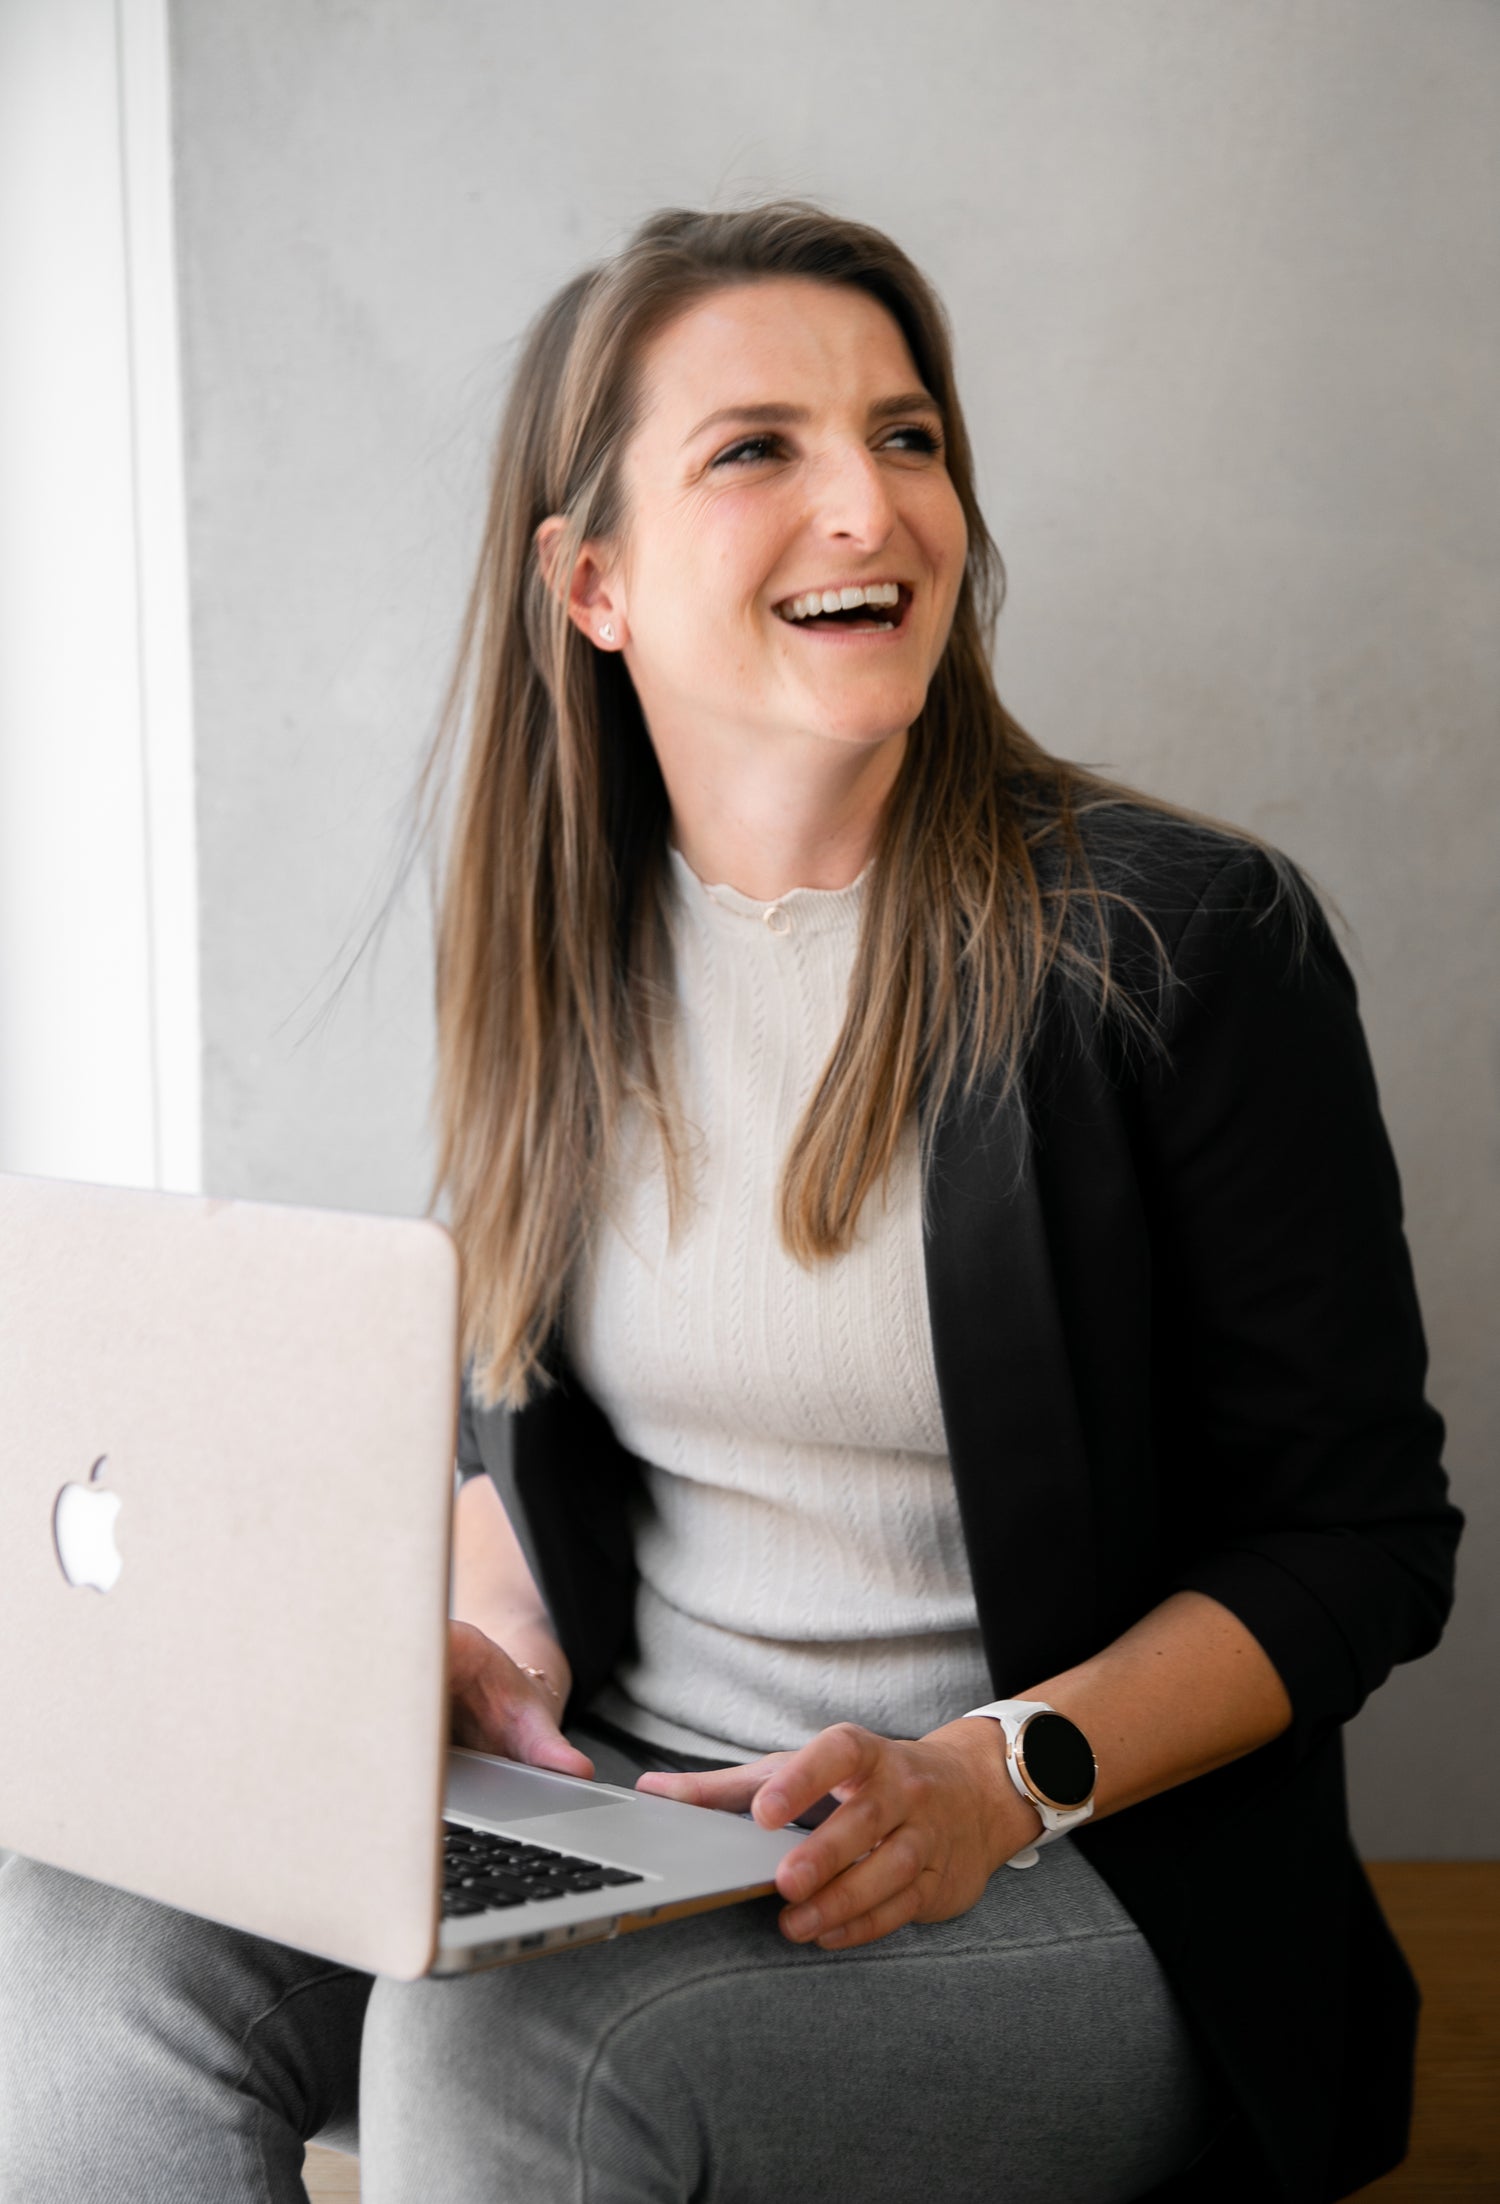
811,823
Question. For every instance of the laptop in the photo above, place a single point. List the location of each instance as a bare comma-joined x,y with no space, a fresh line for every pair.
226,1488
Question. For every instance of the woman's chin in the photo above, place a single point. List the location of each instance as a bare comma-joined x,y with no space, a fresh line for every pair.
867,730
865,715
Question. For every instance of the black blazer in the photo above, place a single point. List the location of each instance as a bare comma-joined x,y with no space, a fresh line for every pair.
1177,1345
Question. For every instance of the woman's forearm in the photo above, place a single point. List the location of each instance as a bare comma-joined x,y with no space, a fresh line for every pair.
1186,1689
494,1589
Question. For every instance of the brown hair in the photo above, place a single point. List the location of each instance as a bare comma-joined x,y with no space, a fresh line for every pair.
554,979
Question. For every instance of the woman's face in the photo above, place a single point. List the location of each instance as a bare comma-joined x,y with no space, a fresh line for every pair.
785,448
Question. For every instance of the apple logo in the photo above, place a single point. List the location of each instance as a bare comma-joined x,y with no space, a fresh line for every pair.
83,1531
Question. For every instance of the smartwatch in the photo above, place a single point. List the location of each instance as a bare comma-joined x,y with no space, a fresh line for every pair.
1051,1764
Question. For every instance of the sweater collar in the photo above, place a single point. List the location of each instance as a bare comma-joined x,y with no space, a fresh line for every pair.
800,911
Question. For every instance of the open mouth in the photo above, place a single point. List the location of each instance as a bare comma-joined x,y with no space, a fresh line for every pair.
876,608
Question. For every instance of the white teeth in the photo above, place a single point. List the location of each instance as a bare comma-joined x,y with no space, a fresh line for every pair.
841,600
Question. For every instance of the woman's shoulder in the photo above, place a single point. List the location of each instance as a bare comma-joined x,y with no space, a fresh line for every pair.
1174,867
1160,900
1168,871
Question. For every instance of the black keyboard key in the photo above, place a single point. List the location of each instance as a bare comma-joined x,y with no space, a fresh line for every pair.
483,1870
460,1904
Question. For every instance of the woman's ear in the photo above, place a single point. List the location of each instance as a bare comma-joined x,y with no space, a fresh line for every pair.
591,593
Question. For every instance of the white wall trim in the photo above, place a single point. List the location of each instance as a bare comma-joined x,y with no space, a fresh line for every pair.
99,1011
162,589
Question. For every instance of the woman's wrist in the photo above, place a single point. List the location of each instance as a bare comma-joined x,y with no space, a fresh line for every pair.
532,1644
536,1651
1010,1821
544,1682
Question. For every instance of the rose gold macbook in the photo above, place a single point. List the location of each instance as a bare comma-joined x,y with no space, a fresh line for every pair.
226,1484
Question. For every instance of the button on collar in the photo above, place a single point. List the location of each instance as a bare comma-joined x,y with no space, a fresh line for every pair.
799,911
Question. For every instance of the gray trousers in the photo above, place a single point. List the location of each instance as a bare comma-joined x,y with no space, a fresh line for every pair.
1028,2050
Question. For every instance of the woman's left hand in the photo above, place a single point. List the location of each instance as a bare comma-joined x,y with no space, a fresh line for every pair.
920,1827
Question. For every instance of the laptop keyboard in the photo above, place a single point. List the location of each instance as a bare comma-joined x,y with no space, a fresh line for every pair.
482,1872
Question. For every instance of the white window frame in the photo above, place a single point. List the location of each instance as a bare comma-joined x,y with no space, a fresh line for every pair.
100,1055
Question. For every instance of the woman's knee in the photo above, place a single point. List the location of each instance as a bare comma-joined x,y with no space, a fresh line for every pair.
68,1944
121,2014
62,1935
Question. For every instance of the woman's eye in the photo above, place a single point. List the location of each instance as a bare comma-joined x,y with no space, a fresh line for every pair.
922,439
746,453
752,449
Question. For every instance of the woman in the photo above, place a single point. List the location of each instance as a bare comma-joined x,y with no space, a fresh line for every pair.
929,1240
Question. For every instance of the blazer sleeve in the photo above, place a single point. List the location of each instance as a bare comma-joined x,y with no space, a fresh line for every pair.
470,1460
1303,1457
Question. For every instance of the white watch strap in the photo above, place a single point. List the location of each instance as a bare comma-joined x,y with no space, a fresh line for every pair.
1056,1821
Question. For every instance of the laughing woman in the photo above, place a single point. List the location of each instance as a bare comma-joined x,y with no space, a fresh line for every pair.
931,1253
930,1242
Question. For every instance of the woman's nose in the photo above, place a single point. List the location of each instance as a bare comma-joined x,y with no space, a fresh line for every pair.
855,499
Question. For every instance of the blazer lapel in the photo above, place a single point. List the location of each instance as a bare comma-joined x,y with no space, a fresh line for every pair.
1015,1440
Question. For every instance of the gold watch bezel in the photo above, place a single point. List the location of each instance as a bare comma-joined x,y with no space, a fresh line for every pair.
1033,1788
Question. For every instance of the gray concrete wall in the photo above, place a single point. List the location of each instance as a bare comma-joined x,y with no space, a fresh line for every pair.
1225,285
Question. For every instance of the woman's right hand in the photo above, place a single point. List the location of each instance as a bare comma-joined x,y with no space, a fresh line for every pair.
496,1707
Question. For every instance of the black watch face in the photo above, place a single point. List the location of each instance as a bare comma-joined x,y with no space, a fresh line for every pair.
1056,1757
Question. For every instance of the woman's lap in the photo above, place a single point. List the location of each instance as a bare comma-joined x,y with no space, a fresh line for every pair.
1029,2048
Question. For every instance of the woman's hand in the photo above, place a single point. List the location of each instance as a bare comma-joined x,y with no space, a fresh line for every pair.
496,1707
920,1827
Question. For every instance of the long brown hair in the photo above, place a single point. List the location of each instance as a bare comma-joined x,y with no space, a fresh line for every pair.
554,978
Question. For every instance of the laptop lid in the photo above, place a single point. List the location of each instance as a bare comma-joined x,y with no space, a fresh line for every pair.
234,1425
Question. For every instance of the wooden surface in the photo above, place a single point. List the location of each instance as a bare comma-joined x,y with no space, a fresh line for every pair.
327,2173
1447,1916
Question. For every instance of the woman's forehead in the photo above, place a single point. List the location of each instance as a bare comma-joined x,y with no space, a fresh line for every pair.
778,340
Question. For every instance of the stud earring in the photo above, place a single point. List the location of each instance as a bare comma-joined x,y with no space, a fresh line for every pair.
607,632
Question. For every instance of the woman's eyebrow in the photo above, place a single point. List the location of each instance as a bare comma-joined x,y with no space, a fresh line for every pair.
785,416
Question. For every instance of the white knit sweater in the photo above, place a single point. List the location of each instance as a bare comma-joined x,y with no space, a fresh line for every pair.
801,1560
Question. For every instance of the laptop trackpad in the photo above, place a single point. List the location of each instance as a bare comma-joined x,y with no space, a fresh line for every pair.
500,1790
